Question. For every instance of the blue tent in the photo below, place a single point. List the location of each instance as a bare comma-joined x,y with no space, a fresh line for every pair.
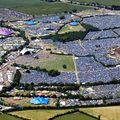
39,100
74,23
30,22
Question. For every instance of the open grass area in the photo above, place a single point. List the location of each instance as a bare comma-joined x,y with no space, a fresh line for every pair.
37,7
75,116
107,113
104,2
49,8
48,61
57,63
8,117
67,28
38,114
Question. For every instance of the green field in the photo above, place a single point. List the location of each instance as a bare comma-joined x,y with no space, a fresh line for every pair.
8,117
107,113
75,116
53,61
38,114
104,2
57,63
38,8
67,28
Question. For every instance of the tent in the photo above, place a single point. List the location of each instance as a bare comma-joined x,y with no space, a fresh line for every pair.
30,22
74,23
5,31
39,100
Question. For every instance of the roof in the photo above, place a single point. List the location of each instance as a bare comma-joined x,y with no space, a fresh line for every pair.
117,50
24,50
39,100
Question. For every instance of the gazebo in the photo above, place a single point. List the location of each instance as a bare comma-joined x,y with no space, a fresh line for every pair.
5,31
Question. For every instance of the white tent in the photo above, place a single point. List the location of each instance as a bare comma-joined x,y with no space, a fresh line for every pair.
1,87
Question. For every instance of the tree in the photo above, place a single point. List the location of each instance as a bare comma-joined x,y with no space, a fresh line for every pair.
16,79
99,117
74,10
64,66
53,73
58,103
62,17
31,86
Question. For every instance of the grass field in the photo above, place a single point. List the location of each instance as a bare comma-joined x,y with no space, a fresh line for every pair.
37,7
75,116
104,2
107,113
38,114
57,63
67,28
8,117
48,61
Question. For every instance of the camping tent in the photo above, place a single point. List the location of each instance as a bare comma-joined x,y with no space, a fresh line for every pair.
30,22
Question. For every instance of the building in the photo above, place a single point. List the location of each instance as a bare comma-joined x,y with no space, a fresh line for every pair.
26,51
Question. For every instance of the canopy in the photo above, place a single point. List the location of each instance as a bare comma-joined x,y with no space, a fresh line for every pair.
74,23
39,100
30,22
5,31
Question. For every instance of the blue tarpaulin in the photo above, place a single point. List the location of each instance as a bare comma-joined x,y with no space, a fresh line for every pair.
39,100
